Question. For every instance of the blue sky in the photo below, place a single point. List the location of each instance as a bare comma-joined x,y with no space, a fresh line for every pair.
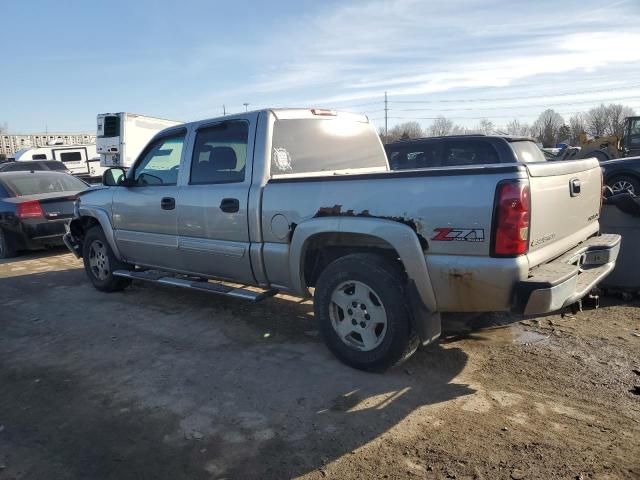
66,61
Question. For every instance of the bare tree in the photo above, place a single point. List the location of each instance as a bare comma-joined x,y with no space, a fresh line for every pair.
597,120
405,130
547,127
485,126
515,128
616,114
440,127
577,126
458,130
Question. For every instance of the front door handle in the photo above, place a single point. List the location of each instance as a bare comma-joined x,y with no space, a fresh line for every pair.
168,203
230,205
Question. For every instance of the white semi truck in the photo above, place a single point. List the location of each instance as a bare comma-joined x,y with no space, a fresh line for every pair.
122,136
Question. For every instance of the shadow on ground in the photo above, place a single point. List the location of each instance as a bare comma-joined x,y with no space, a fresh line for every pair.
163,383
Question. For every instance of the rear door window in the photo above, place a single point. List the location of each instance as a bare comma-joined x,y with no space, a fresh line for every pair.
220,154
468,152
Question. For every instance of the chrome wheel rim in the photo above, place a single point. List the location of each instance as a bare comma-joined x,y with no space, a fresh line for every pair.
622,186
98,260
358,316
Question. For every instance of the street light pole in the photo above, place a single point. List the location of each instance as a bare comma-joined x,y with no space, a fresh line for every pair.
246,106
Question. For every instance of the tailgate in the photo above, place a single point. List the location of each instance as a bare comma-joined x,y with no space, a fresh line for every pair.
565,206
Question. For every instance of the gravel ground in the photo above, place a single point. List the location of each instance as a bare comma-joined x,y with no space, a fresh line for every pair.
162,383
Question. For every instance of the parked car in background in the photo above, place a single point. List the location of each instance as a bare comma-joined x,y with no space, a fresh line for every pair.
302,200
622,174
35,165
461,150
34,209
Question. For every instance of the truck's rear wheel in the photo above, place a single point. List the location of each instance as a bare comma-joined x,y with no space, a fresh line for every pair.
100,262
362,312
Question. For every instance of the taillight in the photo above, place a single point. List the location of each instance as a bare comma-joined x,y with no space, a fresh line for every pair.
30,209
601,188
511,219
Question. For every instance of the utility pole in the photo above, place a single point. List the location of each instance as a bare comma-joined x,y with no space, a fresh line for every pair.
246,107
224,110
386,111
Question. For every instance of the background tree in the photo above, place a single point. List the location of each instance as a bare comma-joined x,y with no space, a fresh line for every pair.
597,120
440,127
564,133
547,127
404,130
616,114
577,125
517,129
485,126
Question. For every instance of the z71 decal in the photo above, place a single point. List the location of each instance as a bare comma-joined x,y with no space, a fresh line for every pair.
459,235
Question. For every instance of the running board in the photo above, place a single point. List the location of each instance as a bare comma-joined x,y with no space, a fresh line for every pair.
203,285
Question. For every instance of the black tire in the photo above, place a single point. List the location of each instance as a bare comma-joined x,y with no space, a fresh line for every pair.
100,267
617,182
398,341
7,247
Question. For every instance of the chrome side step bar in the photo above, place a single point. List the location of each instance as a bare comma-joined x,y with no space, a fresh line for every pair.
163,278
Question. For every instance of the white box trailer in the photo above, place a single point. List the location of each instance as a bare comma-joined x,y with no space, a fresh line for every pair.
122,136
80,160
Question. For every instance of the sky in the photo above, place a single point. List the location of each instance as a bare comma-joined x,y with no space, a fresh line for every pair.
66,61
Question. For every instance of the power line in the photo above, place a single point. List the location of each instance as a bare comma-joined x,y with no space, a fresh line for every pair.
549,105
520,97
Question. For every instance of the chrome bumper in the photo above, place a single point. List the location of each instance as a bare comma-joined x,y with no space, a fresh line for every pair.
566,280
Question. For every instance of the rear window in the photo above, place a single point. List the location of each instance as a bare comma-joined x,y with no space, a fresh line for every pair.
319,145
25,166
469,152
410,156
32,184
38,156
70,156
56,165
527,151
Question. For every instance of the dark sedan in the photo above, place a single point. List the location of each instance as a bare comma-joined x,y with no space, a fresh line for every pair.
29,165
622,174
34,209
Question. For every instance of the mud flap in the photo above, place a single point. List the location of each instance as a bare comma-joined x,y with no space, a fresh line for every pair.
428,324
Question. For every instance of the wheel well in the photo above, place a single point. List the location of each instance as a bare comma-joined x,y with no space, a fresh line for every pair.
324,248
613,176
79,227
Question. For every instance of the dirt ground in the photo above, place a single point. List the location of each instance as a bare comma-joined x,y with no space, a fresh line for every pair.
161,383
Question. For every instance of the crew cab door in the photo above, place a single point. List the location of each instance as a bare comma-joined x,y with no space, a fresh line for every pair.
213,230
144,214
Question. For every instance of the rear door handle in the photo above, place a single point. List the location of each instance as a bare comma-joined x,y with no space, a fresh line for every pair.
168,203
230,205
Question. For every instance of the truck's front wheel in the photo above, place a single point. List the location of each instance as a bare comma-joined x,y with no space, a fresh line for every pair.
100,262
362,312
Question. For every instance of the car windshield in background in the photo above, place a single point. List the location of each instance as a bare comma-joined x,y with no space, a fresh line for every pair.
527,151
314,145
30,184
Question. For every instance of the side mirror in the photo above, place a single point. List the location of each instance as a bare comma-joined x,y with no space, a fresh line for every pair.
113,177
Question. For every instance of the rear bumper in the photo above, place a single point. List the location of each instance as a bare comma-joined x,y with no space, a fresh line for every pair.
566,280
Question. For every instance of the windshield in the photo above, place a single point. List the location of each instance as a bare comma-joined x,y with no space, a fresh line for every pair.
33,184
318,145
634,133
527,151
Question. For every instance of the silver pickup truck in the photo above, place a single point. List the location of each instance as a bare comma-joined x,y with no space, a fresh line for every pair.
302,201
